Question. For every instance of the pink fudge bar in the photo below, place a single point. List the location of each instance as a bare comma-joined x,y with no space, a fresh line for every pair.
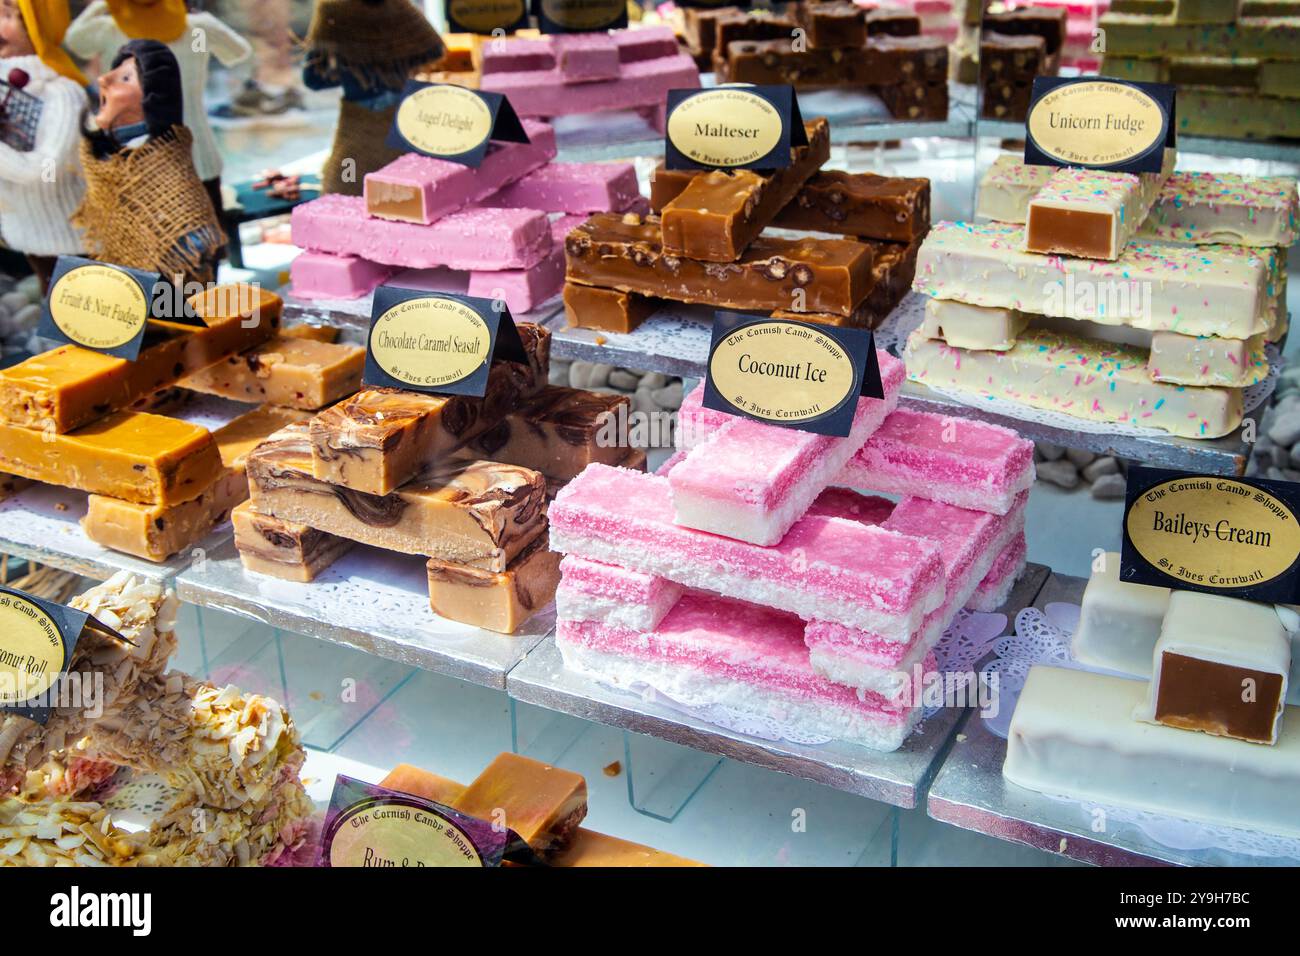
572,187
825,568
422,189
517,54
586,57
953,460
970,541
525,289
995,590
320,275
712,650
645,43
641,84
471,239
752,481
590,591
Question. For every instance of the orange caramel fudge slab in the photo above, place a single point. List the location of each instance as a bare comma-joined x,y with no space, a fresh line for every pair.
69,386
543,804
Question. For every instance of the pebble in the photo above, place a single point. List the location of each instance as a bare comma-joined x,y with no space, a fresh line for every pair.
1110,487
13,301
1060,473
1100,468
588,374
624,380
643,400
669,397
1049,451
1291,474
30,286
1079,456
654,380
1295,456
28,315
1285,428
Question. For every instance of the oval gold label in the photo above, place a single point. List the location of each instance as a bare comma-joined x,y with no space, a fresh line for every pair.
444,120
782,372
725,127
484,16
98,307
31,650
1097,123
430,342
1214,532
583,14
380,834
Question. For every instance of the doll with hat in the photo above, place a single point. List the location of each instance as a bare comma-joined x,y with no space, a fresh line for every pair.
194,38
369,48
145,206
40,189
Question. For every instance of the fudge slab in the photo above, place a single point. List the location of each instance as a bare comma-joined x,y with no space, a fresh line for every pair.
1192,360
500,601
720,212
972,326
470,239
289,371
1211,649
586,57
1222,291
322,275
1097,381
778,61
608,310
1225,207
283,549
835,24
135,456
1007,186
642,83
860,204
69,386
1073,735
1119,622
626,253
479,513
541,803
572,188
422,189
1131,34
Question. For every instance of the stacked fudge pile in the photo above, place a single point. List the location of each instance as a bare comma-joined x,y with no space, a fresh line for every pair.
1143,300
430,224
746,574
461,481
707,245
1015,47
1236,62
1081,20
839,45
1184,738
563,74
545,805
231,760
90,421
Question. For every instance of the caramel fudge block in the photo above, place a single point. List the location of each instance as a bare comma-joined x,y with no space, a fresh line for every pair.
543,804
381,438
720,212
480,513
405,778
498,601
588,307
1220,667
317,333
1008,65
69,386
821,275
860,204
283,549
557,433
130,455
836,24
156,532
290,371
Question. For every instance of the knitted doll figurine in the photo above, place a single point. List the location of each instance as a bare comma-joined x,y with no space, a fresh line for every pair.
41,188
193,38
145,206
370,48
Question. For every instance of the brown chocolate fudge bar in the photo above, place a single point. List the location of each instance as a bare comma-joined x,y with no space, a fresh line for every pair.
862,205
819,275
1046,22
836,24
700,26
892,22
1008,65
752,25
778,62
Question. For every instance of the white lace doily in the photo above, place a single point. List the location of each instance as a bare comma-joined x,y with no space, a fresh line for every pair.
1043,637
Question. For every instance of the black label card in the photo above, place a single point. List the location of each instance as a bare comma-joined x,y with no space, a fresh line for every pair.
438,342
580,16
790,373
1099,123
37,638
732,127
107,308
1239,537
485,16
451,122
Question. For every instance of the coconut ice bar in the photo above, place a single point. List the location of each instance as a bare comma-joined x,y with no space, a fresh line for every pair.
971,326
712,649
752,481
1073,735
826,568
643,83
322,275
572,188
1226,207
1211,650
1091,212
1152,285
470,239
591,591
995,590
1090,380
422,189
